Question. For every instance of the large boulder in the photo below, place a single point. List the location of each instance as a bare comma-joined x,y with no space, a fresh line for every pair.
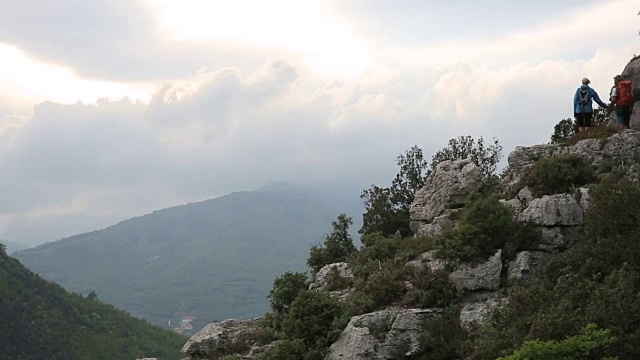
381,335
439,225
554,210
520,159
448,187
475,312
222,338
632,72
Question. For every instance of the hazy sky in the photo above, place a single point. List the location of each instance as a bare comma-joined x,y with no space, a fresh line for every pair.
112,108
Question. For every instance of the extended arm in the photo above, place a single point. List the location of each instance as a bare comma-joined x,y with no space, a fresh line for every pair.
597,99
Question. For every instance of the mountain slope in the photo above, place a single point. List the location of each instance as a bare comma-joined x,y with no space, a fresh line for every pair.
12,247
213,259
40,320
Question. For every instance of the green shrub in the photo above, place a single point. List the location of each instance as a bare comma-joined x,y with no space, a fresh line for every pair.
337,282
591,343
443,337
294,349
430,289
485,226
311,317
557,175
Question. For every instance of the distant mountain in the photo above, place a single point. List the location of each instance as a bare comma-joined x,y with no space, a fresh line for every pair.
213,259
12,247
40,320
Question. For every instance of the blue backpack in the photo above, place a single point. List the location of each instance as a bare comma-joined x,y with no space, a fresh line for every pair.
585,96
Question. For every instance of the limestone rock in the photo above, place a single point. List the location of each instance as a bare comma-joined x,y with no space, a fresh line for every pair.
226,337
485,276
588,149
322,277
382,335
525,265
521,158
553,237
554,210
439,225
448,187
428,259
623,147
474,313
632,72
584,199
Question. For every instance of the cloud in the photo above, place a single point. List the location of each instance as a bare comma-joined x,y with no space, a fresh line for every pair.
209,127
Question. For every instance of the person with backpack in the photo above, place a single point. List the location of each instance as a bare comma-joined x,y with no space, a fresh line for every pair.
583,105
621,97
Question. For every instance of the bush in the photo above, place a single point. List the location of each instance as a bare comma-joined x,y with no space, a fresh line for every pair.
591,343
557,175
486,225
430,289
311,318
563,130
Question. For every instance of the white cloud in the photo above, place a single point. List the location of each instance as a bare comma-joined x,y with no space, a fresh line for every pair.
224,128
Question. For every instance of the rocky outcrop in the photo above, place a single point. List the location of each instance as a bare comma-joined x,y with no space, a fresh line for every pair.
485,276
632,72
448,187
439,224
224,338
523,268
475,311
554,210
386,334
323,277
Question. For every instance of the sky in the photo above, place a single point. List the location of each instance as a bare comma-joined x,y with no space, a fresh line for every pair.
110,109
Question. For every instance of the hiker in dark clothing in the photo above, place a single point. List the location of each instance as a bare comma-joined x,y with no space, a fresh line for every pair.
621,97
583,106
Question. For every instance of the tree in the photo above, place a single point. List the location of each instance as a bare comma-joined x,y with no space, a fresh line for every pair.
387,209
285,289
92,295
337,247
3,249
563,130
462,147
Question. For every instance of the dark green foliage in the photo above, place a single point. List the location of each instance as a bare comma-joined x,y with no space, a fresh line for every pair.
285,350
485,226
387,209
430,290
214,259
443,337
312,317
40,320
462,147
596,280
590,344
285,289
563,130
555,175
337,247
336,282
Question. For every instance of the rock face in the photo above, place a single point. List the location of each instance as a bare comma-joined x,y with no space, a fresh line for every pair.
485,276
632,72
223,338
554,210
386,334
474,313
524,266
322,280
448,187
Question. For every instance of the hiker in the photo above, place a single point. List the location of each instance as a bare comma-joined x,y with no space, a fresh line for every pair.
622,99
582,105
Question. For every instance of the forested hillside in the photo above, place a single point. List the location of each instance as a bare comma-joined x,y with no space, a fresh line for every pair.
40,320
213,259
